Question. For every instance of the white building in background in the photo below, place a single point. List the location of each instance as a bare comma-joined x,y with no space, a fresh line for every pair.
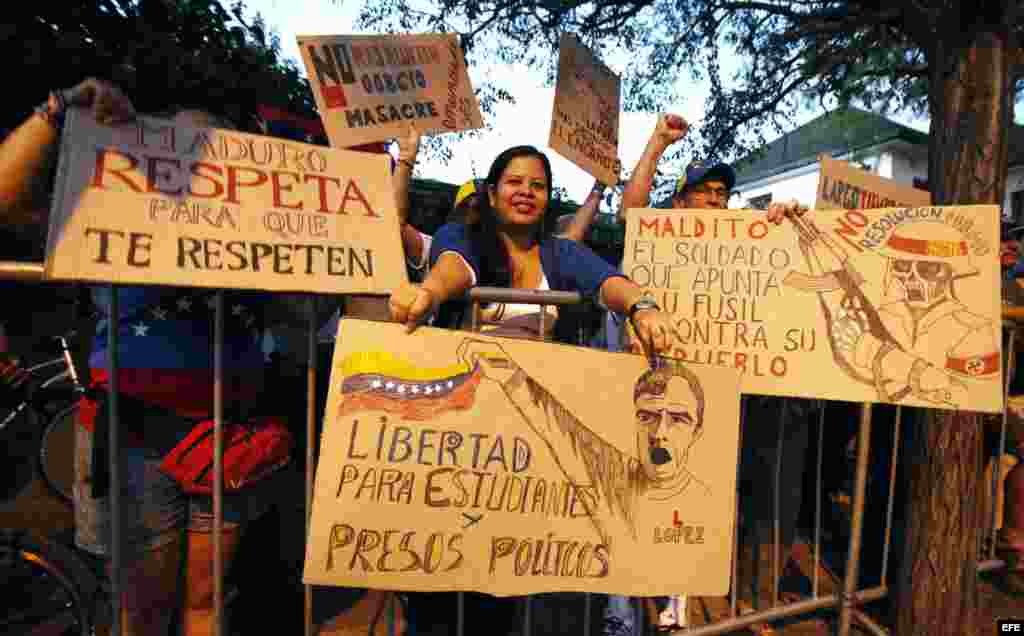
788,168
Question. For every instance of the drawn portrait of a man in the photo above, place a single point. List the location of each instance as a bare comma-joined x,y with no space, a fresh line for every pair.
669,405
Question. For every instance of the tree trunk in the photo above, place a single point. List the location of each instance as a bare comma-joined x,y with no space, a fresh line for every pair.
971,111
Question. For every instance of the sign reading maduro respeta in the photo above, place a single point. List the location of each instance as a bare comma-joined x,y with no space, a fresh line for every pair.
898,305
585,121
370,87
152,203
456,461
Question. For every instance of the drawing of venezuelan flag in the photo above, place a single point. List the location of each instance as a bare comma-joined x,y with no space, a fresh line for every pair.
380,381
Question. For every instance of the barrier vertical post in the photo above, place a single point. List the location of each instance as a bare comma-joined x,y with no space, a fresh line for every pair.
733,592
114,447
311,371
218,463
892,495
847,602
819,500
1011,359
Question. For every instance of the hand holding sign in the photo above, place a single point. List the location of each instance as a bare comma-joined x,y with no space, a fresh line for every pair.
411,305
779,211
408,145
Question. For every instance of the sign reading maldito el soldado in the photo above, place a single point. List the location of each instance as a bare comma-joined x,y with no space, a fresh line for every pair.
370,87
896,305
154,203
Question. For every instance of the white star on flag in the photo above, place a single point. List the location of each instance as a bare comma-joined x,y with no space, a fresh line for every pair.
184,304
389,386
237,310
428,390
140,329
450,384
401,388
159,313
376,384
211,301
415,390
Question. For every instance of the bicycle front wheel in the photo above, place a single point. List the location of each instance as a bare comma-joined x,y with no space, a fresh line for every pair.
46,589
57,454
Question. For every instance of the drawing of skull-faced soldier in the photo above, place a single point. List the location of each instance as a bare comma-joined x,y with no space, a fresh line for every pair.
921,341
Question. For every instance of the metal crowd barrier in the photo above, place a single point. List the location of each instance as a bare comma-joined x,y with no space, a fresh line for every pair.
848,600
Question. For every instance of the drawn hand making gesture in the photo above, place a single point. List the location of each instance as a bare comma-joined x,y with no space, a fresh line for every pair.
495,363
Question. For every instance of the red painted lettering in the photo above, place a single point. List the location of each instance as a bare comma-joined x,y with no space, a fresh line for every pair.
154,174
275,178
103,169
353,193
218,187
234,183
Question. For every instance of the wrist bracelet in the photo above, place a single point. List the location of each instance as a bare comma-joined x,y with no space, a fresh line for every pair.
53,109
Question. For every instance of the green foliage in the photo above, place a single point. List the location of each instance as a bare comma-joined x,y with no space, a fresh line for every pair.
193,53
794,52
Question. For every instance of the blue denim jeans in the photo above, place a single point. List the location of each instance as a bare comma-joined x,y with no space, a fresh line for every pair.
621,618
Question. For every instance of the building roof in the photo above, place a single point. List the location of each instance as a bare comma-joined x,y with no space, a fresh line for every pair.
837,132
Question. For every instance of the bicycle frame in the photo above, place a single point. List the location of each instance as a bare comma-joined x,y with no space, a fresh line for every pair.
69,372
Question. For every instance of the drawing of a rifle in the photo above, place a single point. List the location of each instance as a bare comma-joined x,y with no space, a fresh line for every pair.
836,275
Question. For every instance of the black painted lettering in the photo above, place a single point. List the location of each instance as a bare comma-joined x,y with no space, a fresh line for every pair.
104,247
138,242
335,256
237,249
259,251
282,259
193,247
211,254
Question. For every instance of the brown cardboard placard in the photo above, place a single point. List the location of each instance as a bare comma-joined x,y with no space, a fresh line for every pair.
370,87
898,305
844,186
459,461
585,118
151,203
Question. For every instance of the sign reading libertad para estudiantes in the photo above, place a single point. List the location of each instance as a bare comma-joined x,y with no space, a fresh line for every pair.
459,461
371,87
585,121
153,203
897,305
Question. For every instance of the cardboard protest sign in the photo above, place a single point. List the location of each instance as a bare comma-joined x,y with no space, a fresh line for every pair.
585,121
899,305
151,203
370,87
458,461
843,186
